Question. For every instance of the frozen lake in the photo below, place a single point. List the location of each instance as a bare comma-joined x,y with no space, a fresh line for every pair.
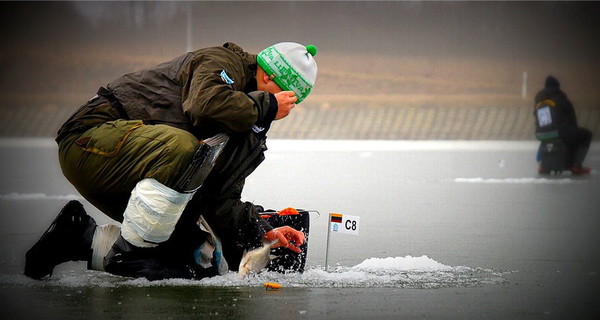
448,229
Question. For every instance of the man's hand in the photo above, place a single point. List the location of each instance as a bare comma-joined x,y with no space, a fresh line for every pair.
286,101
285,237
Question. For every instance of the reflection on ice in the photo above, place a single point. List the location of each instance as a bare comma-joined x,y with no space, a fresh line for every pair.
557,180
398,272
38,196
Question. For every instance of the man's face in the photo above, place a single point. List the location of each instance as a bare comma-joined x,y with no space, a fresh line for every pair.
265,83
272,87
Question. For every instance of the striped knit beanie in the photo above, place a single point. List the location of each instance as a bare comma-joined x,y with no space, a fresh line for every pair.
291,66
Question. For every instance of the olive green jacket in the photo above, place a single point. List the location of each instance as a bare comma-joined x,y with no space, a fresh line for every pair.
206,91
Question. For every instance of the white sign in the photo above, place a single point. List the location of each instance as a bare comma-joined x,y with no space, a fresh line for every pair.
348,224
544,116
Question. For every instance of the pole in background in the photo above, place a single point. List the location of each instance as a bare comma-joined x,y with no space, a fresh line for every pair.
189,46
524,86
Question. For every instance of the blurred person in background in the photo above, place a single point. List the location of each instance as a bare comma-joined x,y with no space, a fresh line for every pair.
556,120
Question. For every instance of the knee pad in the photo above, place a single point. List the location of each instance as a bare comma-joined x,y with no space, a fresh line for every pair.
152,213
154,209
202,163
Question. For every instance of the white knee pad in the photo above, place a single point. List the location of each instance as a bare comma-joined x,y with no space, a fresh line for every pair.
152,213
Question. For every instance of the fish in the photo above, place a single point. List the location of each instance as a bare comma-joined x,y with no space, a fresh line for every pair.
254,261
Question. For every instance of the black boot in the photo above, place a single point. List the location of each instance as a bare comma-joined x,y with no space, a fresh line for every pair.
577,168
127,260
69,238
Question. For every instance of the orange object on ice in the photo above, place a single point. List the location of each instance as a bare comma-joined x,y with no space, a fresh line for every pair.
272,285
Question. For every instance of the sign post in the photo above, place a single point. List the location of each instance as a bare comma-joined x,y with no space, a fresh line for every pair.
340,223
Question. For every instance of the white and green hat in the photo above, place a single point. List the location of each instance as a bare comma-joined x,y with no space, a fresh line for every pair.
291,65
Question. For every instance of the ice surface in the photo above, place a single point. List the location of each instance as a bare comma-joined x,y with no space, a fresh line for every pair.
522,180
394,272
473,218
38,196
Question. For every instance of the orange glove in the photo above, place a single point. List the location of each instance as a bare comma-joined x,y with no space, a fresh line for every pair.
287,237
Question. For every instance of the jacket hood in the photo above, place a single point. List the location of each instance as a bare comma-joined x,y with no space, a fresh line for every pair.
248,57
552,83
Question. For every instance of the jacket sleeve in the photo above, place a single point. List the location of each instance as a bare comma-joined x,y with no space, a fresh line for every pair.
268,107
571,116
235,221
207,96
248,227
566,108
221,192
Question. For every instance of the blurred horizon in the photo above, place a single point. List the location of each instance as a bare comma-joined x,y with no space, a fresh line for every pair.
381,58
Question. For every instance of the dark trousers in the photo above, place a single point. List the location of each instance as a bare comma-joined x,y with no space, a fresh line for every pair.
578,140
105,163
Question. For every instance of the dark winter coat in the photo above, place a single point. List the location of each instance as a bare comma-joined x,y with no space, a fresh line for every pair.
562,111
204,92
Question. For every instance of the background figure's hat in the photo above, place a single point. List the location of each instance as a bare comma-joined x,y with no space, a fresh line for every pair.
552,82
291,65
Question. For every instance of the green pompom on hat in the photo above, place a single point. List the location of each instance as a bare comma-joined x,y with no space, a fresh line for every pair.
292,66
